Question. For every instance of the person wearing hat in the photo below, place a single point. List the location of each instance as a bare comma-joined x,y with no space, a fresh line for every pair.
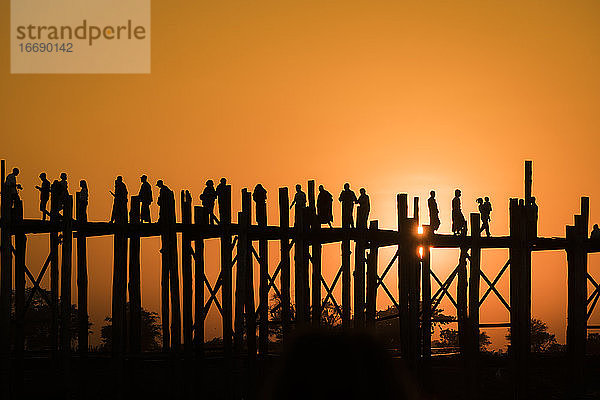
145,196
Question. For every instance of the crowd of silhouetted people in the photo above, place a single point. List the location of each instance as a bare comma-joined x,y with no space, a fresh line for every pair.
56,193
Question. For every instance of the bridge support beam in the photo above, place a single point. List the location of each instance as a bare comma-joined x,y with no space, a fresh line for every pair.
284,244
372,262
577,296
520,296
473,322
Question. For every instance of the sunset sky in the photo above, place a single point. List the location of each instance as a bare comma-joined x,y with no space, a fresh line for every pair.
393,96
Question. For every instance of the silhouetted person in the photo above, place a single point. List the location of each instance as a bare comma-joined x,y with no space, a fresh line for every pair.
459,224
259,195
145,196
83,201
65,184
434,212
363,209
12,187
299,200
595,235
485,209
44,195
166,203
324,206
56,196
64,191
208,197
348,199
221,193
119,211
486,213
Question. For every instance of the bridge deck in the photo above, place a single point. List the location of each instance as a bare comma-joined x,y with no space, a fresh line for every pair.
384,237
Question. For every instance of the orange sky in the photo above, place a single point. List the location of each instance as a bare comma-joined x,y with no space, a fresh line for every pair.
392,96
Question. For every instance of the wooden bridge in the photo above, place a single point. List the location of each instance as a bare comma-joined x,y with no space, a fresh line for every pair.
246,324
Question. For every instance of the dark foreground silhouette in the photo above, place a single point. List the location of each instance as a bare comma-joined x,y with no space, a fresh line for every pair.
327,365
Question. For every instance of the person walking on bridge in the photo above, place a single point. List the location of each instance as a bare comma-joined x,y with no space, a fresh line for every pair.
145,196
12,187
434,212
459,224
299,200
363,209
485,209
82,201
166,203
119,210
44,195
324,206
221,191
348,199
208,197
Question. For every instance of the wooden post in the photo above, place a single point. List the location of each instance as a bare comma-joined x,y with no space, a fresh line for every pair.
284,224
528,180
186,272
65,288
426,300
316,272
403,301
249,305
240,277
5,287
201,219
311,195
134,286
359,279
174,283
226,268
299,271
119,295
473,336
346,281
372,262
82,274
462,299
263,295
577,296
20,250
164,283
54,278
414,265
520,296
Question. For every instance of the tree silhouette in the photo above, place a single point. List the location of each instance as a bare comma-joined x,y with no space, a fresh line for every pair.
38,320
151,334
449,338
541,339
388,324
